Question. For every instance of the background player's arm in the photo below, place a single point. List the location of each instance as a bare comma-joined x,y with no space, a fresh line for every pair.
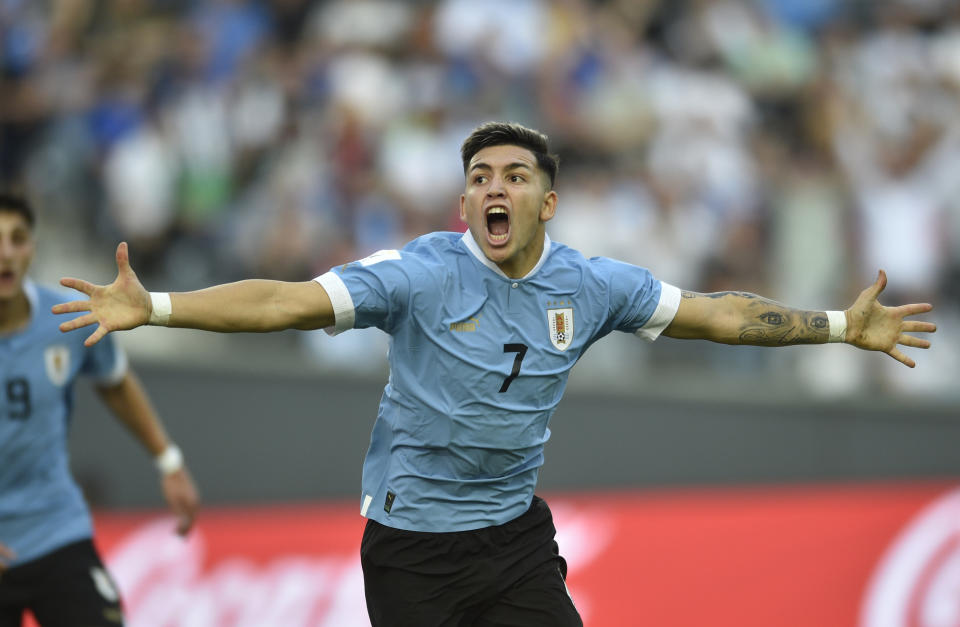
129,403
744,318
251,306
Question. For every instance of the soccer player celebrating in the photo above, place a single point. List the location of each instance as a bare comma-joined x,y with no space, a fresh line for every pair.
485,327
48,563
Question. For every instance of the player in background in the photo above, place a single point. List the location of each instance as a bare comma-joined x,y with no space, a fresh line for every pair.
484,328
48,562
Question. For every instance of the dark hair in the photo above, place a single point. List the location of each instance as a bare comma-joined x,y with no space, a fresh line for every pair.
511,134
15,203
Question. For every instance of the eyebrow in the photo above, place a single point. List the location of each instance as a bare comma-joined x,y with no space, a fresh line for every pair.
480,165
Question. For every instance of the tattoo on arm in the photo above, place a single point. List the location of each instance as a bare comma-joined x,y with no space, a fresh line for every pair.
768,323
715,295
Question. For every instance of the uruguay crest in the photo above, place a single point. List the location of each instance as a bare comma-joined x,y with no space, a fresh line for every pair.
57,360
560,323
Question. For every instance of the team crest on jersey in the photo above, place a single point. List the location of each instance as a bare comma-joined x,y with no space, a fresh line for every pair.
57,360
560,323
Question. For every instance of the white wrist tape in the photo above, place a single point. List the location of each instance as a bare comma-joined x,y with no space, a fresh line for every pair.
162,308
838,326
170,460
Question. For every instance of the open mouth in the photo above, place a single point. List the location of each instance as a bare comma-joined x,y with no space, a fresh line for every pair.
8,279
498,225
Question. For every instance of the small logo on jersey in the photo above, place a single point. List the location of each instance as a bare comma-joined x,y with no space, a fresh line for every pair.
560,324
467,326
57,360
388,502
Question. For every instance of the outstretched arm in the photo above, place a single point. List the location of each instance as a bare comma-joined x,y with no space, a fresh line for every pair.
252,306
128,401
743,318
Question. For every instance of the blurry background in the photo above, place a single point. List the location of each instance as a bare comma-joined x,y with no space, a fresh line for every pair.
785,147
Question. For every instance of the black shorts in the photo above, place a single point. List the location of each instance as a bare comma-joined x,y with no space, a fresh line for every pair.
66,588
510,574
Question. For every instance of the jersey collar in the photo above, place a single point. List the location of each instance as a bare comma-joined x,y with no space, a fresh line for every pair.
474,248
33,297
30,289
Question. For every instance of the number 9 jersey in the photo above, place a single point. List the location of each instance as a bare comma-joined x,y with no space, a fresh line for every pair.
478,363
41,507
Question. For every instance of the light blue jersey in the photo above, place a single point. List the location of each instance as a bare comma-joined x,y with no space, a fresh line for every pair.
41,508
478,364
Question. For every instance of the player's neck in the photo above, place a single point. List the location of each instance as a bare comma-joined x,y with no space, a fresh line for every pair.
521,265
14,313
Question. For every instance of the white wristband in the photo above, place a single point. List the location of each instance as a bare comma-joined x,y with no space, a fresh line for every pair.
162,308
170,460
838,326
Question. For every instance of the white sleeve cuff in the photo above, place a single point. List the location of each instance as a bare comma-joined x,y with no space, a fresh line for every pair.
663,315
120,367
341,300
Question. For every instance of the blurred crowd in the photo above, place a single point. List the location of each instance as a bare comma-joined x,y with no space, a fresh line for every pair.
785,147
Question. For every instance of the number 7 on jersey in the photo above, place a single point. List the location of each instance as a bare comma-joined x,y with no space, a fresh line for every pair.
520,350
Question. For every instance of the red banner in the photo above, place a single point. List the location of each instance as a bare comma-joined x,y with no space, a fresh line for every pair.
868,555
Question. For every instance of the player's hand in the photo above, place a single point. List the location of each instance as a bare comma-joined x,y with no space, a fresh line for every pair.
182,497
6,556
871,326
124,304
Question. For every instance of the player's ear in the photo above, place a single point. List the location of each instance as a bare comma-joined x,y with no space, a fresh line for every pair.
463,208
549,206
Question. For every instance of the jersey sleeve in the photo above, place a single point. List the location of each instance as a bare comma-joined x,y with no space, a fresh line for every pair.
372,292
638,302
105,362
